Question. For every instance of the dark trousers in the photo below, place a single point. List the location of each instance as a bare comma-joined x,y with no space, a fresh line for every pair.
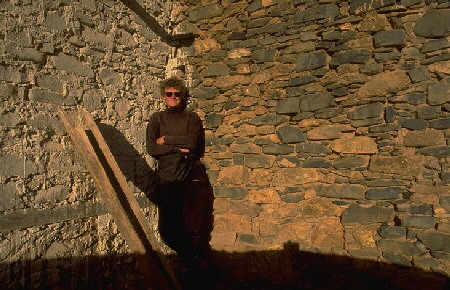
185,214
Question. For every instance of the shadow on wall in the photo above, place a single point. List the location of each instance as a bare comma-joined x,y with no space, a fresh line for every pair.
285,269
177,40
132,164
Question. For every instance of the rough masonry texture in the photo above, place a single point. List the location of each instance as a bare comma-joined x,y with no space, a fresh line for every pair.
57,55
327,127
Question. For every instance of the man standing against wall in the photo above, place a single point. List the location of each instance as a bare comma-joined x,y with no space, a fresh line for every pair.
185,205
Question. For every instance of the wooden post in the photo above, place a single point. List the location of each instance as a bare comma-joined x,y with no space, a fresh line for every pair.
118,198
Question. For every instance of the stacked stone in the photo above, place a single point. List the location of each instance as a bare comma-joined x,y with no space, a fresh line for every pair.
328,125
59,55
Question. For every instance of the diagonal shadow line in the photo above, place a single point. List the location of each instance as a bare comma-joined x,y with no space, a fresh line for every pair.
177,40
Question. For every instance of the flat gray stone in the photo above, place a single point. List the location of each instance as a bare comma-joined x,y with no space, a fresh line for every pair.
230,192
435,241
434,23
10,197
215,70
316,102
367,111
288,106
16,165
291,134
258,161
384,193
72,65
439,93
392,232
367,215
354,56
390,38
419,222
311,61
345,191
49,97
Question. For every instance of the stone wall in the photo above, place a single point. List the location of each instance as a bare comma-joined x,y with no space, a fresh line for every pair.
328,126
57,55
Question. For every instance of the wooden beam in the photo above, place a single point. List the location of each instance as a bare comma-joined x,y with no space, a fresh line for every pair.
118,198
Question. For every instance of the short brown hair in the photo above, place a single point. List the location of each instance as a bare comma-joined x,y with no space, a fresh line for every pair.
173,82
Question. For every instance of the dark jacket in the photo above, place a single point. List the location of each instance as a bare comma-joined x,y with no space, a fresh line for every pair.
182,129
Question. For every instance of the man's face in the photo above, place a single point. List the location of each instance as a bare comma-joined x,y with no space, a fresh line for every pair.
172,96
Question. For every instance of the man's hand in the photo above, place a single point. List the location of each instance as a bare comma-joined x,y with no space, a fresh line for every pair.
160,140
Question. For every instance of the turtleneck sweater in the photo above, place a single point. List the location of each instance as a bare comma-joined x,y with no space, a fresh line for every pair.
181,128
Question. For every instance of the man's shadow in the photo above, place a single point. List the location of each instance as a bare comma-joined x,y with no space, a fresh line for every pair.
136,169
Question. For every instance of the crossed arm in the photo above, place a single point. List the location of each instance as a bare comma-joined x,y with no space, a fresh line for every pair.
158,145
161,141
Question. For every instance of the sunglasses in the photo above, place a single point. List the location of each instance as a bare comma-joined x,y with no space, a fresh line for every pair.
176,94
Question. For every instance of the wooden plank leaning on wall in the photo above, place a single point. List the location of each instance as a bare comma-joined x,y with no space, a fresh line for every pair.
118,198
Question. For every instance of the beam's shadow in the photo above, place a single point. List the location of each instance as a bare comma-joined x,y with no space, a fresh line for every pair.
283,269
178,40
